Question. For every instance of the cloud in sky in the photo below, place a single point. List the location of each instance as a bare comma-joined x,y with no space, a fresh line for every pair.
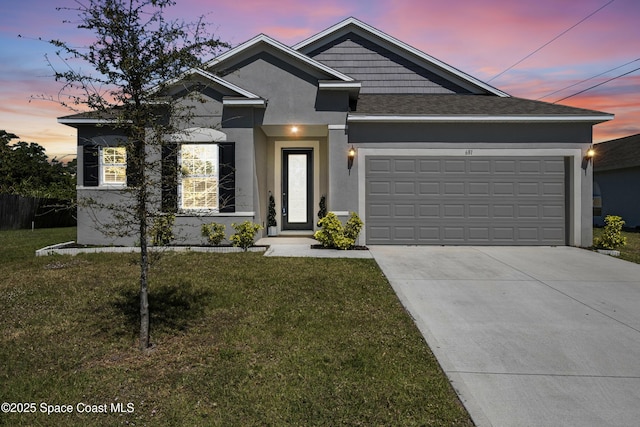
481,38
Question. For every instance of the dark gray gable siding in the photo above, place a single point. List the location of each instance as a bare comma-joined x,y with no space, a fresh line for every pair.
380,70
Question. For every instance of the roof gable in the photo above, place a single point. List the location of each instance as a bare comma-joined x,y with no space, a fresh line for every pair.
263,42
319,43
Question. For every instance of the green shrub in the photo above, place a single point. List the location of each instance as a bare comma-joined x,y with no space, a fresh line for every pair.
244,235
611,237
322,208
214,233
161,231
334,235
271,217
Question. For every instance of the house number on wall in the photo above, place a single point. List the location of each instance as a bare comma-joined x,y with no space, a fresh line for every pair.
468,153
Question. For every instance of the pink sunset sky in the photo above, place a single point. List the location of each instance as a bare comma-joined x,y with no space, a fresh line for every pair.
479,37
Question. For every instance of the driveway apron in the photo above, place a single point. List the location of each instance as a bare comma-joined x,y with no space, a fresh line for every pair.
528,336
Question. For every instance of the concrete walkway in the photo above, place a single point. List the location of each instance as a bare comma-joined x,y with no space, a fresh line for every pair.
529,336
301,247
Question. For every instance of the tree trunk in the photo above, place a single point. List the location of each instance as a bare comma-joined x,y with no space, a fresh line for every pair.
144,259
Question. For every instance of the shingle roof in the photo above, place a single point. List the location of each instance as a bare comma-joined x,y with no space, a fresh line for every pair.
617,154
461,105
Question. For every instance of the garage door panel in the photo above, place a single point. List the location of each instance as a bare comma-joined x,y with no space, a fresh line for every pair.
479,211
553,212
504,166
555,167
379,210
553,189
430,211
454,234
453,188
480,200
503,189
404,166
379,165
429,166
379,188
404,187
429,188
479,234
528,188
408,211
455,166
479,188
480,166
531,167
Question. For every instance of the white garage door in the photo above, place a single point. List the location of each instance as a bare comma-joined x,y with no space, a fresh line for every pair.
465,200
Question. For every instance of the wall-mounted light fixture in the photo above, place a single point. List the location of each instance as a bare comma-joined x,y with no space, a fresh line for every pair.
294,129
588,157
350,157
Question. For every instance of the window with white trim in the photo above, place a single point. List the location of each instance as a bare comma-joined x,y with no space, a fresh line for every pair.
199,176
113,166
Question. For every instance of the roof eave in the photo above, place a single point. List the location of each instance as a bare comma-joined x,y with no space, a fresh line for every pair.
73,122
381,118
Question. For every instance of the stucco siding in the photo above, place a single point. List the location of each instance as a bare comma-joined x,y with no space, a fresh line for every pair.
292,94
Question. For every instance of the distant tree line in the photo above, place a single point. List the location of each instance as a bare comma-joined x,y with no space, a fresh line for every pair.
25,170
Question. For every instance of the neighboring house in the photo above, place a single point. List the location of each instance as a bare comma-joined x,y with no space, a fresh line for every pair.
440,156
616,176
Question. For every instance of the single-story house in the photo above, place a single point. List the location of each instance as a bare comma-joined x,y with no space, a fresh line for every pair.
438,157
616,177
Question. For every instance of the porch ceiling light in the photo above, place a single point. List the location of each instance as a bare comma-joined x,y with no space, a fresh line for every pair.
351,155
294,129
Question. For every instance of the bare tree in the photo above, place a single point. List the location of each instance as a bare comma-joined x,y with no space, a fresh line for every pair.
137,58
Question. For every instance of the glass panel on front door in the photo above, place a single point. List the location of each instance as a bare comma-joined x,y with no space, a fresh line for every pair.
297,189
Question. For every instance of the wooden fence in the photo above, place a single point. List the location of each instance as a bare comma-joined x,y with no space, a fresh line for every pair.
26,212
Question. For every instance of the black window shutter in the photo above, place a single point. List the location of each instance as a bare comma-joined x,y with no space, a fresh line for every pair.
90,162
227,197
170,177
132,169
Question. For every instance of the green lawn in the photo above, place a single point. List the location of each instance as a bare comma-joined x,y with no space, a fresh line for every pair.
240,340
629,252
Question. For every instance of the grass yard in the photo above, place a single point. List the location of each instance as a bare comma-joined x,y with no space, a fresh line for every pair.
240,340
629,252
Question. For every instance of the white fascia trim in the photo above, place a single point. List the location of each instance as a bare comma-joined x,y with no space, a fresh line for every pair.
340,85
467,119
337,127
209,76
228,85
244,102
401,45
88,121
262,38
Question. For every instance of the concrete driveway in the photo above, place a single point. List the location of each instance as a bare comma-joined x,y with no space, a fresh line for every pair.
529,336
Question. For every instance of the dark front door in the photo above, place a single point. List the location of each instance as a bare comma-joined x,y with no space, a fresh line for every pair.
297,189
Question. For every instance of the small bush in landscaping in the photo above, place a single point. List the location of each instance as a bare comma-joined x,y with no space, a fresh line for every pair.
611,237
334,235
214,233
322,211
271,217
161,232
244,235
